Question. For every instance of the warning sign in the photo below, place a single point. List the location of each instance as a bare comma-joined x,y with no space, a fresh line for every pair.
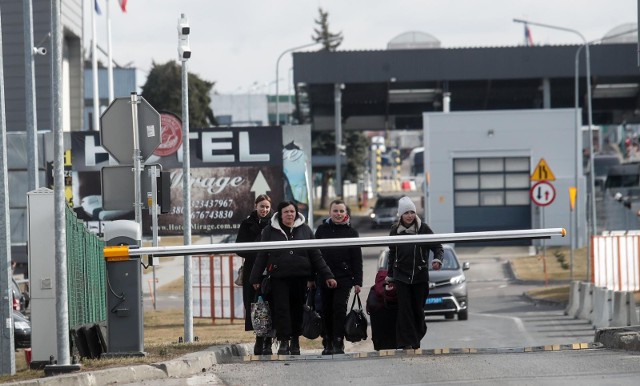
542,172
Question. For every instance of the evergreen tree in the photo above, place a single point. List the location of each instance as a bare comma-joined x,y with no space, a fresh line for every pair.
330,41
163,90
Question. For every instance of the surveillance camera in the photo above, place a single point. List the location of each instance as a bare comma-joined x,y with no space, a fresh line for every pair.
39,50
184,52
183,26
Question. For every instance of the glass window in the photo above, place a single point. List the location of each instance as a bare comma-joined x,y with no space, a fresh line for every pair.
491,165
465,165
466,181
517,164
491,198
491,181
514,181
466,199
518,198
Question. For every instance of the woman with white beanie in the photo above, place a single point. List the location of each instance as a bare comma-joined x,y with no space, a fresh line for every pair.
409,272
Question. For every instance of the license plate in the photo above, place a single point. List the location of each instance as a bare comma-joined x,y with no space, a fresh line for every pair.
434,300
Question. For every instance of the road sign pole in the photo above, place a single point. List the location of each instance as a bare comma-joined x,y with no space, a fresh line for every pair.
153,205
137,204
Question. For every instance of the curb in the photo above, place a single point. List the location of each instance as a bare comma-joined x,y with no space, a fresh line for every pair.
622,338
189,364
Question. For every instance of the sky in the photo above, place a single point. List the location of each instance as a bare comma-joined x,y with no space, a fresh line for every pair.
236,44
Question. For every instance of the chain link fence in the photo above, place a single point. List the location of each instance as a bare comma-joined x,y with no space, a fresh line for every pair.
86,273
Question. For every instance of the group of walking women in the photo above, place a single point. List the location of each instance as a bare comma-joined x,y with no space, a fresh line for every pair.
295,271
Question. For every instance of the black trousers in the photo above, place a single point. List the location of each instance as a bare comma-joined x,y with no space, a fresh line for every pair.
287,300
248,293
334,308
410,325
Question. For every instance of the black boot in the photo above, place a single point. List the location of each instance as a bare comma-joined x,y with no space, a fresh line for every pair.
284,347
258,346
328,345
338,345
295,345
266,347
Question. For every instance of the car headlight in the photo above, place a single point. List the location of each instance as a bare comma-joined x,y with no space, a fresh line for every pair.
20,325
457,279
372,215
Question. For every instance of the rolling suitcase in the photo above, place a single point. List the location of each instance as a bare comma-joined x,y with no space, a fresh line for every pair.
383,322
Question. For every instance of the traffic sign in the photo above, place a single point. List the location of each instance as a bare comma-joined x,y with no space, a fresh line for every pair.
116,129
542,172
543,193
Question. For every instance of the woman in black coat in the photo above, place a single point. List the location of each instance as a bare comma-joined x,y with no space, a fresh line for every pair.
346,265
291,271
250,230
408,270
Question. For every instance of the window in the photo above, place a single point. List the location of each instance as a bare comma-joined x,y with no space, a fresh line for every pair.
492,181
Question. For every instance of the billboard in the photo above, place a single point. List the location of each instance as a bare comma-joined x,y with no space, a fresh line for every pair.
229,167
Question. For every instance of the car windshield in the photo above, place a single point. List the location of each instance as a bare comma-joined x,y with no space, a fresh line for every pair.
384,203
449,260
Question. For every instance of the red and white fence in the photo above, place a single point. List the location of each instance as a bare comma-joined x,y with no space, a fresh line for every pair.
215,295
616,262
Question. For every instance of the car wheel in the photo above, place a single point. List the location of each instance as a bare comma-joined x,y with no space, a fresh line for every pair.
449,316
463,315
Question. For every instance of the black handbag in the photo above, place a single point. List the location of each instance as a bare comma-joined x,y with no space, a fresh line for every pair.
311,319
355,325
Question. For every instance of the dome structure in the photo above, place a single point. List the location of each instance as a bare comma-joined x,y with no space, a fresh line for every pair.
624,33
413,40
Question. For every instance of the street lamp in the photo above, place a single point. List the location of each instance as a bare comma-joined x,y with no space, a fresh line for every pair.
589,115
278,71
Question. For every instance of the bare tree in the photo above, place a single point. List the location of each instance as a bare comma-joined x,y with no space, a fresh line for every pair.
330,41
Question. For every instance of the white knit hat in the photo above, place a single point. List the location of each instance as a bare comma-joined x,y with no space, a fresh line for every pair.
405,205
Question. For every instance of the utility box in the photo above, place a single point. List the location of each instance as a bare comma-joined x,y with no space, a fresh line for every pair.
124,293
42,280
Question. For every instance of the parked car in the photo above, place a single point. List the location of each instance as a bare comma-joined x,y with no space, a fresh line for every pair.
448,293
21,330
385,211
20,298
603,162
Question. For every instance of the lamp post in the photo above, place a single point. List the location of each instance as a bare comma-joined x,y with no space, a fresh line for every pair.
591,187
278,71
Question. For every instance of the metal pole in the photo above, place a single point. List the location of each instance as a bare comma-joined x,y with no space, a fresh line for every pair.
278,73
153,173
31,122
109,54
62,306
578,148
94,73
338,242
137,159
337,106
7,348
186,194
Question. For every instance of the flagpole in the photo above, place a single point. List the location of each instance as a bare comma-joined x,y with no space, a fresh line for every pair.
94,70
109,56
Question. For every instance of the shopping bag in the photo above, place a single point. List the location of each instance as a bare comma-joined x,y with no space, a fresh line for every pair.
355,326
238,280
311,319
261,317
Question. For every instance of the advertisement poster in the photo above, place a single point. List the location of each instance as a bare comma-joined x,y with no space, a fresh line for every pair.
229,167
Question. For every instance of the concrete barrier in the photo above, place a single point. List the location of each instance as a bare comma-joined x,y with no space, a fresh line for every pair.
586,301
624,310
574,299
602,307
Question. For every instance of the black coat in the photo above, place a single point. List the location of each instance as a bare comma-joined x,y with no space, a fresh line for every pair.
409,263
250,230
344,262
294,262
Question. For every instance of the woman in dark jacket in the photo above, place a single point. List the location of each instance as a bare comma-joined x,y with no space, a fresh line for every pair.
346,265
408,270
290,271
250,230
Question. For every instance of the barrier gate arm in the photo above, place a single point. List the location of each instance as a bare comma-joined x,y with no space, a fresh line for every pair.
124,252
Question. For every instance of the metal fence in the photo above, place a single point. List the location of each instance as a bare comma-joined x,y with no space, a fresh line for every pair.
86,277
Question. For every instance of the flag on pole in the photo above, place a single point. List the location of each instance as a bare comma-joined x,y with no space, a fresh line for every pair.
123,5
528,39
97,6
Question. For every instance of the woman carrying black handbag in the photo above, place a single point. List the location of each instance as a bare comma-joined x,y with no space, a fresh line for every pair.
346,265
